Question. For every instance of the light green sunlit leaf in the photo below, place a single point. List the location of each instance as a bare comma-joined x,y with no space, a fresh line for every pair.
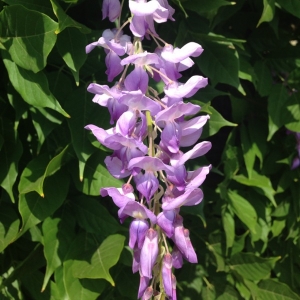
252,267
268,12
33,177
29,36
32,87
106,256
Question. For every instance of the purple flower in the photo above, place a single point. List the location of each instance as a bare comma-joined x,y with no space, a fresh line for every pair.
149,253
148,293
167,274
138,78
108,97
137,233
141,116
177,258
144,15
147,183
182,240
137,211
186,90
144,282
115,44
165,220
112,9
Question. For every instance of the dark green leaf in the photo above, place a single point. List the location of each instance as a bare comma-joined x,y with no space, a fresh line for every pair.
34,209
10,154
64,20
243,209
292,6
92,216
206,8
9,225
96,176
219,62
83,112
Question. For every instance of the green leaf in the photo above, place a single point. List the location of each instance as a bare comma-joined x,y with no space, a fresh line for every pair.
65,21
248,151
92,216
106,256
229,228
207,9
276,105
32,87
34,209
292,6
33,176
252,267
44,121
83,112
243,209
32,283
79,289
268,12
291,115
71,46
10,154
264,78
96,176
273,290
227,293
9,225
29,36
261,182
215,122
246,71
219,62
42,6
215,246
58,233
51,244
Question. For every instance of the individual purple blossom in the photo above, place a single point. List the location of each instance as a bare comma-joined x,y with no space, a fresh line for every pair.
144,15
138,79
167,274
108,97
144,282
177,258
111,9
182,241
148,293
137,232
115,45
149,253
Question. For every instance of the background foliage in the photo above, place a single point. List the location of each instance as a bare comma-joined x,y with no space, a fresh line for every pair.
59,237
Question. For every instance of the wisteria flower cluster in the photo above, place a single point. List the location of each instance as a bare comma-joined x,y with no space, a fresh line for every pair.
148,134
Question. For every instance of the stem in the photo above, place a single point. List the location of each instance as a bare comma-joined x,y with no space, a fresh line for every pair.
120,29
160,73
150,134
